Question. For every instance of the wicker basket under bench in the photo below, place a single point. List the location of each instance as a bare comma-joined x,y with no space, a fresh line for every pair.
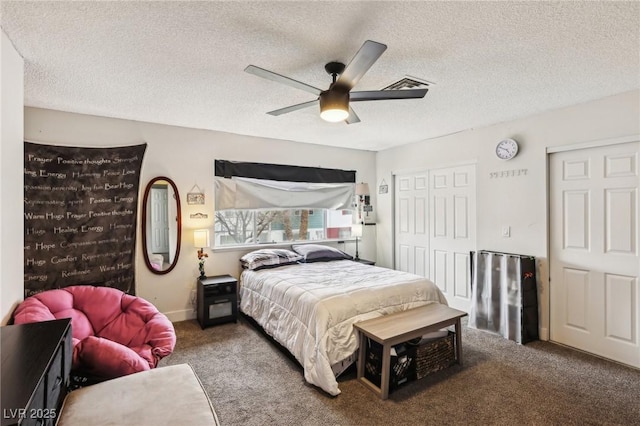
382,372
410,361
435,355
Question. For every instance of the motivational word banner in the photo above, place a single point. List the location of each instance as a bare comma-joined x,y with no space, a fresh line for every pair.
80,210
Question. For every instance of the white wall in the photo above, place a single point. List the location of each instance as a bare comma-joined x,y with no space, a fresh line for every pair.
11,160
520,201
187,156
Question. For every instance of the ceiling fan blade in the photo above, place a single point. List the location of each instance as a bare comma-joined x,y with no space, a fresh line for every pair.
270,75
353,117
293,108
381,95
360,64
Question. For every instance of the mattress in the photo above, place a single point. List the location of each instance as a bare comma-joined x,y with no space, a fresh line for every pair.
310,308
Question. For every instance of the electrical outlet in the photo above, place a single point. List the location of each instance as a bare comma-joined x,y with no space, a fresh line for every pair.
506,231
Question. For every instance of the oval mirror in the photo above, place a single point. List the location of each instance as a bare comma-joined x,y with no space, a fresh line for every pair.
161,225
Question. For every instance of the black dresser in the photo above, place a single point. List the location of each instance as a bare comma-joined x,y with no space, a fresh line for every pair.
36,362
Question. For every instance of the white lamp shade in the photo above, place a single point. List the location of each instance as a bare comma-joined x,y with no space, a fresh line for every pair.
362,188
356,230
201,238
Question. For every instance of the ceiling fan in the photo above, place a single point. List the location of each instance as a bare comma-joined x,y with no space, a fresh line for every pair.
334,102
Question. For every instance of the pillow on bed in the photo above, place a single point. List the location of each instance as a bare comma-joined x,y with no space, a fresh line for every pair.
319,253
269,258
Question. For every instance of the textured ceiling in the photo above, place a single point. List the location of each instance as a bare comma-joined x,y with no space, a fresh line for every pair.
182,63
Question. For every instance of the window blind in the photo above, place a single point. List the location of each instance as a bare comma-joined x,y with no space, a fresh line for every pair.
251,186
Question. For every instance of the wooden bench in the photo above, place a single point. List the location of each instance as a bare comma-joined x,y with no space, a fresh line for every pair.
390,330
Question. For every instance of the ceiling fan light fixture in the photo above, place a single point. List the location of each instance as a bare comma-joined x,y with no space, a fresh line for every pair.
334,102
334,105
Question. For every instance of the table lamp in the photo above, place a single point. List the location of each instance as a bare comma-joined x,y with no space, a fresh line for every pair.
201,239
356,231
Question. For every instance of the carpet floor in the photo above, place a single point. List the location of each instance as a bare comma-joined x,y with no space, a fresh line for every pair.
252,382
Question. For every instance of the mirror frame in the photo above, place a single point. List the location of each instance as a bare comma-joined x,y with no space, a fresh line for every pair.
145,252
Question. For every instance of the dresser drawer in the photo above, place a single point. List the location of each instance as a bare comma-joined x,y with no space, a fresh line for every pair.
55,379
67,359
35,409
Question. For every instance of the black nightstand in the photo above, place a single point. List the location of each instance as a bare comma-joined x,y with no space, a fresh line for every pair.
365,261
217,300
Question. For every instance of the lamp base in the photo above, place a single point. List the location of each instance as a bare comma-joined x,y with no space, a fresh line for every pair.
201,269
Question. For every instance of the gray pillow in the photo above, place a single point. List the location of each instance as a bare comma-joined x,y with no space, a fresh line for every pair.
269,258
319,253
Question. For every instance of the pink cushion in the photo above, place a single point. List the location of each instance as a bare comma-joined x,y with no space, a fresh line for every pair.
146,352
55,304
105,358
108,314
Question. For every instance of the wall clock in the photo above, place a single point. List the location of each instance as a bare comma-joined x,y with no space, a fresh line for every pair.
507,149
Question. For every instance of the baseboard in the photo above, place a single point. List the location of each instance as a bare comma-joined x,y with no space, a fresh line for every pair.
544,333
183,315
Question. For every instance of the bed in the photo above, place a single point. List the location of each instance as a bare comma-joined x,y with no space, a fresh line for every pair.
309,305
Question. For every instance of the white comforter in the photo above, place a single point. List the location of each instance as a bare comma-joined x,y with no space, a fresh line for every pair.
310,308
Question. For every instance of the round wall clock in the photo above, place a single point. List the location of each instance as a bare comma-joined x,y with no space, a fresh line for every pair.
507,149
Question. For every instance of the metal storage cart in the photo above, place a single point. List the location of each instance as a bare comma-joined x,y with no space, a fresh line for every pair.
504,295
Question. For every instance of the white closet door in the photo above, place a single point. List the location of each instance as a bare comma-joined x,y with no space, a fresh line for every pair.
412,223
159,220
594,260
452,195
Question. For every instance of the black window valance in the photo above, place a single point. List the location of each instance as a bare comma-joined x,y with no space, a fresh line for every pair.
281,172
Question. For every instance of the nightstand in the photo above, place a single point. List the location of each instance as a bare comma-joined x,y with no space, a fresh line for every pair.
217,300
365,261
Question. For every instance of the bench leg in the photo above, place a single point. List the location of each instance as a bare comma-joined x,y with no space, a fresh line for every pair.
459,341
361,354
386,370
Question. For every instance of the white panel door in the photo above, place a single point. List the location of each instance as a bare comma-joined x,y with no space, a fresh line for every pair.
594,260
411,223
452,196
159,220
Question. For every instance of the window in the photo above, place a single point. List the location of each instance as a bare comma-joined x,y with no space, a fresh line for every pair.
259,203
244,227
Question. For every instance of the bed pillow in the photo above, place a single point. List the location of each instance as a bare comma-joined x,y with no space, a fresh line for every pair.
319,253
268,258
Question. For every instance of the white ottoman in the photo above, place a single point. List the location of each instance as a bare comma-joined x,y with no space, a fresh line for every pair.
170,395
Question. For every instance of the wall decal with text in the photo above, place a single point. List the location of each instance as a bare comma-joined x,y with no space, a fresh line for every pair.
80,210
508,173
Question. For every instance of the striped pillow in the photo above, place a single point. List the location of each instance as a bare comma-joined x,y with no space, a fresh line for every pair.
268,258
319,253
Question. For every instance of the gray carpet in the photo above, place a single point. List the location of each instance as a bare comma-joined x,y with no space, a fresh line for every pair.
251,382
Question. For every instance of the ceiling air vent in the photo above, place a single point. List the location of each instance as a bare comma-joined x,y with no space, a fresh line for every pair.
409,83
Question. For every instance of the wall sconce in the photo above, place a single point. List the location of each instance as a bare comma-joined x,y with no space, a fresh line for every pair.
201,239
356,231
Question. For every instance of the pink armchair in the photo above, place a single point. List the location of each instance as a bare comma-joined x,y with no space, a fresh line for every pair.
114,334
